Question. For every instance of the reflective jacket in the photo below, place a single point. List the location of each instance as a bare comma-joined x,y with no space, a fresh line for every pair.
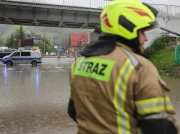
113,92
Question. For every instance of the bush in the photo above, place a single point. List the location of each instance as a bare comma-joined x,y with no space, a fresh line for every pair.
158,44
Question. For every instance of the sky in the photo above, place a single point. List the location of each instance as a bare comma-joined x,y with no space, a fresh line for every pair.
168,2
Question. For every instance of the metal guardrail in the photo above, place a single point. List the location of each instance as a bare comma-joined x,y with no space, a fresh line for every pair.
90,4
174,11
169,31
164,10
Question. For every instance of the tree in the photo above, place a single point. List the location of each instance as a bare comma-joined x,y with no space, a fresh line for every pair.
2,43
21,33
18,34
10,41
48,47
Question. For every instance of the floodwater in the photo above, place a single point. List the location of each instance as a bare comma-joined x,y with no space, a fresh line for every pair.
33,100
174,85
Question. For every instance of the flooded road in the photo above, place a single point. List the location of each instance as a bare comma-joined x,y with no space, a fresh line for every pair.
33,100
174,85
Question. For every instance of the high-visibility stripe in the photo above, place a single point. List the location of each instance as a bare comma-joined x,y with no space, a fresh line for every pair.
120,90
158,116
73,68
153,105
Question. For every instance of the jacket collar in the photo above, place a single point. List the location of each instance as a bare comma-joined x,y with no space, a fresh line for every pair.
124,46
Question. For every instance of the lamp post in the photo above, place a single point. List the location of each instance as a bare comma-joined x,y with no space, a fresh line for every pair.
44,44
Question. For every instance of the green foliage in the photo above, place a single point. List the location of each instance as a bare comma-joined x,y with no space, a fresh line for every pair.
61,35
164,61
48,47
19,33
2,43
10,41
158,44
161,54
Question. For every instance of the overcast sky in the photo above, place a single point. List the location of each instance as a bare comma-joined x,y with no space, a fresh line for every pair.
169,2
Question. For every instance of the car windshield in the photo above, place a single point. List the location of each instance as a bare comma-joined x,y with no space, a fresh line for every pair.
15,54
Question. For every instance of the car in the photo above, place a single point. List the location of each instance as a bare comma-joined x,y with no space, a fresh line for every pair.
6,52
23,57
53,53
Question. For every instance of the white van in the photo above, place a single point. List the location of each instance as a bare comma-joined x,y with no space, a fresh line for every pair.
23,57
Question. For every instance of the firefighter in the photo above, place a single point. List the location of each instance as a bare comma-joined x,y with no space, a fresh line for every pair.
115,90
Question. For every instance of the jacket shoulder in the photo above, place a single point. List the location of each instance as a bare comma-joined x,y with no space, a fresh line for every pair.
145,63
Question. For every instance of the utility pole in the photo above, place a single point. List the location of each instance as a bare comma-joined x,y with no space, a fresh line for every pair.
44,44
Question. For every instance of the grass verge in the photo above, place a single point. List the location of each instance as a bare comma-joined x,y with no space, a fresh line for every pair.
164,61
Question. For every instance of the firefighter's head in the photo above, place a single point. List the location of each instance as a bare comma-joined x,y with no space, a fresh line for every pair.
128,20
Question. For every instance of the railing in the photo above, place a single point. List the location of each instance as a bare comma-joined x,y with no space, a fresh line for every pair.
90,4
174,11
95,4
164,10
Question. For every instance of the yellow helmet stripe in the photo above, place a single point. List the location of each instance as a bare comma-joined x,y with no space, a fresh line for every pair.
140,12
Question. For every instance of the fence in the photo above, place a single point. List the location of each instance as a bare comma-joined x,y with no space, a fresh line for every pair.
89,4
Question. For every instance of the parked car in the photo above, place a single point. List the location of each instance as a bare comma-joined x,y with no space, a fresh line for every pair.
6,52
23,57
52,53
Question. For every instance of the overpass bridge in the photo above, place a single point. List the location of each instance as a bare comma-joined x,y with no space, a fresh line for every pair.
52,13
58,13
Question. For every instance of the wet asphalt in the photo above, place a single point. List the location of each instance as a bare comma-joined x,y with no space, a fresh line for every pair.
33,100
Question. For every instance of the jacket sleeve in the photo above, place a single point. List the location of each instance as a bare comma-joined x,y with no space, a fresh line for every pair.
71,108
155,112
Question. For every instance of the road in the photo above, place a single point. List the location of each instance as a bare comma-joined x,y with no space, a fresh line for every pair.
33,100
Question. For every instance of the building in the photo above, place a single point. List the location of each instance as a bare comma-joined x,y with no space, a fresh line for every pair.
76,43
78,40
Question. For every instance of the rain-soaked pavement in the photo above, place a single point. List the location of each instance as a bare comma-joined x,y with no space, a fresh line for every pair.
33,100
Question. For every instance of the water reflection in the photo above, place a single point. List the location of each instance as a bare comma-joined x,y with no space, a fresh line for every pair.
37,80
5,75
34,100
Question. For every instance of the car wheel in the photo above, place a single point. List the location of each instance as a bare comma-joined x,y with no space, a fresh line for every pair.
34,63
9,63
